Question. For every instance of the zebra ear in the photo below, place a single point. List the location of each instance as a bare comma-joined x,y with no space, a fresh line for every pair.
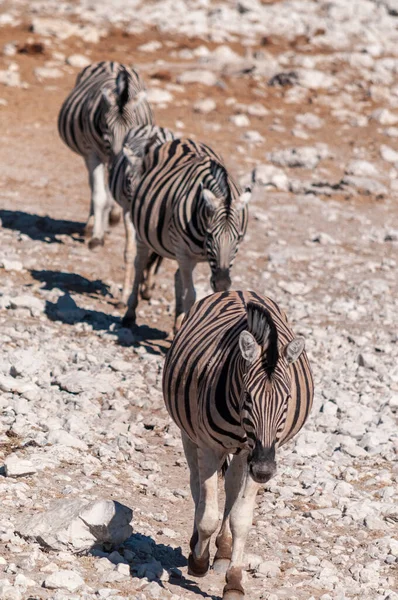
132,159
108,96
293,349
243,199
249,348
211,200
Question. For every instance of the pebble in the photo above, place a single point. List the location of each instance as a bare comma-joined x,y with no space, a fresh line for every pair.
207,78
65,580
205,106
78,60
18,467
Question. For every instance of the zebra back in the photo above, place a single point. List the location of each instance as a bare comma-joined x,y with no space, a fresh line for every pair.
137,142
205,379
168,206
107,100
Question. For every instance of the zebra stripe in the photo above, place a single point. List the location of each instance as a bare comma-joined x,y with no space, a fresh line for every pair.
107,101
186,206
235,381
205,377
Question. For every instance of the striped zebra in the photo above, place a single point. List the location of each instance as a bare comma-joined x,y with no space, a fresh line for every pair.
236,381
185,206
107,101
122,173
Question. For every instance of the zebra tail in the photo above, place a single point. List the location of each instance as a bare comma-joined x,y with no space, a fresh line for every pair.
154,259
225,466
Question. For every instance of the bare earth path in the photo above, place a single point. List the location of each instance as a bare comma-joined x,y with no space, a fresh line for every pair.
322,241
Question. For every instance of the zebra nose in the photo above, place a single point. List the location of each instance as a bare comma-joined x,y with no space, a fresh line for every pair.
220,280
262,472
262,464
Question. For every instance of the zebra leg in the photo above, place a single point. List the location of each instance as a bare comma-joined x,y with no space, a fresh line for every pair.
99,199
233,483
241,519
206,513
191,454
128,255
184,289
140,262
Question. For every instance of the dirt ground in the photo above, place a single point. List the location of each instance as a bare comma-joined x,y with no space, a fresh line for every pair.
44,189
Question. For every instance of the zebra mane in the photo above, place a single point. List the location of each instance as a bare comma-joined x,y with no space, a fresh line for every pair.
125,89
221,187
262,326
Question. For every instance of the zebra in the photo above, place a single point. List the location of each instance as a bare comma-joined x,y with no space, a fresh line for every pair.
121,173
236,381
184,206
107,101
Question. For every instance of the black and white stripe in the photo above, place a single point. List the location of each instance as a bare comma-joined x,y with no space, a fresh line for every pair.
125,170
236,381
107,101
185,206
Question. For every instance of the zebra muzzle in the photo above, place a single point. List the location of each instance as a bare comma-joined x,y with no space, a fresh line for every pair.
220,280
262,465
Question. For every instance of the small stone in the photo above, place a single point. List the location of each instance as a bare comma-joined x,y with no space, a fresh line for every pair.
48,73
159,96
269,569
388,154
30,302
78,60
18,467
150,46
361,168
204,77
11,265
240,120
271,176
384,116
205,106
64,580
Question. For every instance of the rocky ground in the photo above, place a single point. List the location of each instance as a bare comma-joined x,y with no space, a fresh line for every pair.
302,96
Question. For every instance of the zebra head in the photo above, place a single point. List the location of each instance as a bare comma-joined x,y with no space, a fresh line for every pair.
124,107
225,224
267,388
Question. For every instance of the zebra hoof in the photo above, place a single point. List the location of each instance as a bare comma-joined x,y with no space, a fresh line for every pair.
198,567
233,595
128,321
146,294
220,565
233,589
114,218
95,242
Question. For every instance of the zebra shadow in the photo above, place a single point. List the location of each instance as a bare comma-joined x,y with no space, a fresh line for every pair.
44,229
71,282
147,559
65,310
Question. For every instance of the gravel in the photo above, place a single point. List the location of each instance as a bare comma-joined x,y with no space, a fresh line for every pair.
301,100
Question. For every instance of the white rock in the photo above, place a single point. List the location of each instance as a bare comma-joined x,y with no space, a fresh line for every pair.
158,96
151,46
78,525
18,467
388,154
25,301
271,176
361,168
199,76
10,77
64,580
313,79
310,120
295,287
205,106
78,60
48,73
384,116
63,438
254,137
240,120
306,157
11,265
62,29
